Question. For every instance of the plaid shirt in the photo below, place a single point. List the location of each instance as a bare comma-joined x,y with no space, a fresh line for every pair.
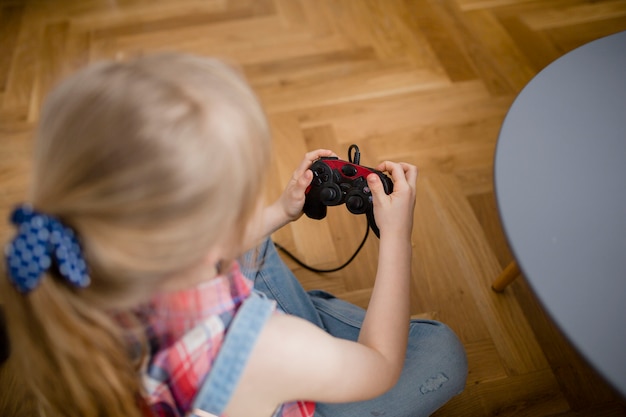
186,330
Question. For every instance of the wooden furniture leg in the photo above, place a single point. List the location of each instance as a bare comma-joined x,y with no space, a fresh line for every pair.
506,277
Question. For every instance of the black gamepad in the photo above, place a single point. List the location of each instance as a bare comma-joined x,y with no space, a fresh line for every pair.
337,182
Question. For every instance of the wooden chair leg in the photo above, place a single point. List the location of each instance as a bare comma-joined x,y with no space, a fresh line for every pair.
507,276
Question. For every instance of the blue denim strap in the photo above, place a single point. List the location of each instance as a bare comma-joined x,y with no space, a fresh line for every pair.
226,371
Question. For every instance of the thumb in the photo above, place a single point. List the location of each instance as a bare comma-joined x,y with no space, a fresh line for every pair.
376,186
304,181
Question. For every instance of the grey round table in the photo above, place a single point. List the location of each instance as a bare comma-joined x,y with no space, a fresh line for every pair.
560,182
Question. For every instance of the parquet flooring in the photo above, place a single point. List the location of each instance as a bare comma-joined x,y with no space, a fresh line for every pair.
424,81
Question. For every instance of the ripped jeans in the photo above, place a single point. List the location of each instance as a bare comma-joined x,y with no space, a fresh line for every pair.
435,367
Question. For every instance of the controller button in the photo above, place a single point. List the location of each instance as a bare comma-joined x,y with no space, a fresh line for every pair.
348,170
366,190
328,194
355,204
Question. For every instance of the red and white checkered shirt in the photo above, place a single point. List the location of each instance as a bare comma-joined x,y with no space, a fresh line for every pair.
185,331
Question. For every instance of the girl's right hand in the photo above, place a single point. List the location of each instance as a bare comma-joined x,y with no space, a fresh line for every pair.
394,212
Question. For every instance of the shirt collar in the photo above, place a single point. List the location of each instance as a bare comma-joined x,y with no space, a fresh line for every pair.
169,315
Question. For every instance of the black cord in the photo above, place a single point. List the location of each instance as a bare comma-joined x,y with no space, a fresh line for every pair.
357,155
324,271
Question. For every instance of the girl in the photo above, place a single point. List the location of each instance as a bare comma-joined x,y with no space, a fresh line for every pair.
123,295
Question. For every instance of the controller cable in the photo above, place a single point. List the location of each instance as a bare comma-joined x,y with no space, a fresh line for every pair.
324,271
357,155
356,160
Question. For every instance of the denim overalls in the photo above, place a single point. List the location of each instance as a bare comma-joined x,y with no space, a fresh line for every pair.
243,331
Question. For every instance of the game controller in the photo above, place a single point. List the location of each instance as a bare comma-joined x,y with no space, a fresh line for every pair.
337,182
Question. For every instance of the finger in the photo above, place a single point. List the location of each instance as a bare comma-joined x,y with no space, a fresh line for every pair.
397,173
316,154
376,187
309,158
411,172
304,181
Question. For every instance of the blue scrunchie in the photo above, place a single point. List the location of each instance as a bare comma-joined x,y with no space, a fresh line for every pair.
43,242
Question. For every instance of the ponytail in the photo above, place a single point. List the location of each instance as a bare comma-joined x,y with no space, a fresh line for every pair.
68,357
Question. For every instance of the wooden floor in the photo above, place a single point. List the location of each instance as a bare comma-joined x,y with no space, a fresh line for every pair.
423,81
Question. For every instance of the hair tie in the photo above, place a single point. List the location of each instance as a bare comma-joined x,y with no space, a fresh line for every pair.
42,243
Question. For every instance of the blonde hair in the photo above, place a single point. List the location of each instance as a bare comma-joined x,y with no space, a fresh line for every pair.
152,162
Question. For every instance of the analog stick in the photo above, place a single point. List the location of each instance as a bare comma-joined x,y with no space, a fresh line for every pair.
355,204
328,194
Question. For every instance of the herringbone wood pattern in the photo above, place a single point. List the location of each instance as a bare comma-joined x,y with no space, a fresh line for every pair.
424,81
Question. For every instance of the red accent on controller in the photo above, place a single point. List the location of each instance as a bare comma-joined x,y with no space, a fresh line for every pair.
337,164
